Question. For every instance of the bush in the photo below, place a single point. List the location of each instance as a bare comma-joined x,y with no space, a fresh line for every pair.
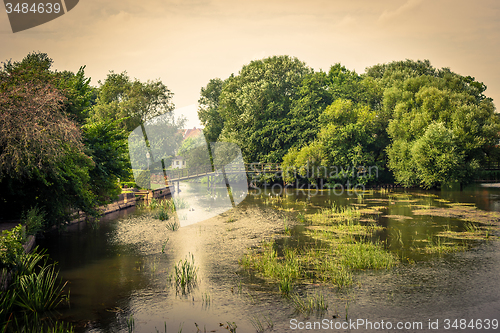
33,220
11,246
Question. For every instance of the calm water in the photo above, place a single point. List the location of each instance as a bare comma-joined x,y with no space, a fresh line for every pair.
122,268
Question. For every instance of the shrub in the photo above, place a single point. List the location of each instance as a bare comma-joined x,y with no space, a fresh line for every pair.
11,247
33,220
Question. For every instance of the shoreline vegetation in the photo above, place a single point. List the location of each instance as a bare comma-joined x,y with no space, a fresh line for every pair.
64,147
341,241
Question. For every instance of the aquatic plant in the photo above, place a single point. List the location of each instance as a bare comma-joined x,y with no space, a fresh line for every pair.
301,218
173,225
164,246
364,255
436,245
130,324
346,215
153,203
206,299
180,203
310,304
284,270
186,273
34,323
257,324
287,228
162,214
231,327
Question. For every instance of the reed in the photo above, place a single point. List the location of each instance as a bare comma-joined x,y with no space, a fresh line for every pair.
180,203
130,324
39,292
162,214
309,305
186,272
173,225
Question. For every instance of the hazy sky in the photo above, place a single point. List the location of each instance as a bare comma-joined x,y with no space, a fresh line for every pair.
185,43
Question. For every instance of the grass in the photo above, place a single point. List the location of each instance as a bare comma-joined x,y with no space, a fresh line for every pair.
310,304
259,324
437,245
346,246
173,225
186,273
206,299
284,270
162,214
35,290
180,203
130,324
346,215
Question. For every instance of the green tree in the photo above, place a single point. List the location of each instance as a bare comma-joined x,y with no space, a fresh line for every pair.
428,104
106,144
134,102
345,147
208,109
42,158
255,106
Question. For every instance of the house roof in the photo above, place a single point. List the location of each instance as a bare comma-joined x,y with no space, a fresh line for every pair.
191,133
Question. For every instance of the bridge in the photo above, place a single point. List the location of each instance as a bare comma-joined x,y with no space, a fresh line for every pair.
172,176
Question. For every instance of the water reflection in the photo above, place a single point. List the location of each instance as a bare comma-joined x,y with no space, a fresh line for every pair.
126,266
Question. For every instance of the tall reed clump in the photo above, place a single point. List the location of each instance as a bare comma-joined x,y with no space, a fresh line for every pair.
162,209
39,291
180,203
186,274
34,289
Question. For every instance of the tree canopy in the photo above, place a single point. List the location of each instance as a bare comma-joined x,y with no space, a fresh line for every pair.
132,101
394,117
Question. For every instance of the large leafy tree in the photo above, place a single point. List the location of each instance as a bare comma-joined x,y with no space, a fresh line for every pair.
345,147
429,107
255,106
42,158
106,143
132,101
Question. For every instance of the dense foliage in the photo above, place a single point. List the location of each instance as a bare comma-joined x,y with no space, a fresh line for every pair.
63,143
404,121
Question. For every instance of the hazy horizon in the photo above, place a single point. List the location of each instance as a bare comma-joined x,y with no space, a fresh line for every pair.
187,43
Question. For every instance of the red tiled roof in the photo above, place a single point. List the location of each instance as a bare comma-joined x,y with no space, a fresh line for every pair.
191,133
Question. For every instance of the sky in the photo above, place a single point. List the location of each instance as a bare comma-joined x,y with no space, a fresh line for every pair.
185,43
